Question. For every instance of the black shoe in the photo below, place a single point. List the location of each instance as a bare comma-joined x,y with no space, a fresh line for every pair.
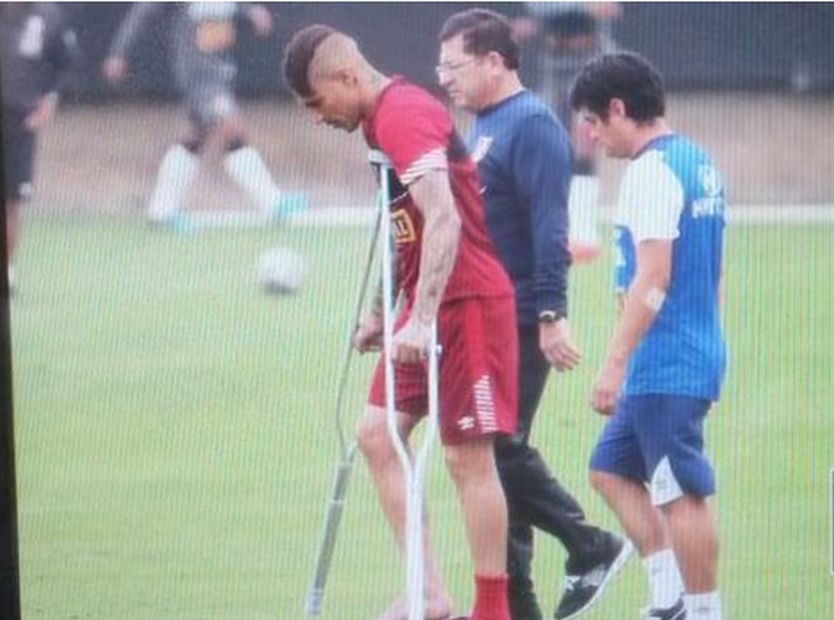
675,612
584,589
523,603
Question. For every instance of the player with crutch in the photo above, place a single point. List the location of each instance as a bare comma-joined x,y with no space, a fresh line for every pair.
414,469
447,271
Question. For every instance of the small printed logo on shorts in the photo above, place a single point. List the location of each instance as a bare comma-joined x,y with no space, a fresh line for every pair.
466,423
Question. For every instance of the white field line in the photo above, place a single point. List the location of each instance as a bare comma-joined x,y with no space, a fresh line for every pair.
342,217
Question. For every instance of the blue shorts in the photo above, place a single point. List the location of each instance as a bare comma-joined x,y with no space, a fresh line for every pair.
658,439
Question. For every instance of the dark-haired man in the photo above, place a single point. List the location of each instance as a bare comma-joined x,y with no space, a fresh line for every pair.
448,272
524,160
665,362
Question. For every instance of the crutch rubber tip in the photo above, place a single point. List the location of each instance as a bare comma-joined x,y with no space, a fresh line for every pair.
313,606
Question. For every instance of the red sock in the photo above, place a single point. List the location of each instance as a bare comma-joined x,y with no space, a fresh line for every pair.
491,599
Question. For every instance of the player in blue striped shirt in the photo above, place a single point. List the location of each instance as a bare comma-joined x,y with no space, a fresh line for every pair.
665,363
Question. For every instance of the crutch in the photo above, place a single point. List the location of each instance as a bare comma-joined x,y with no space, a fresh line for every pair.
413,470
347,449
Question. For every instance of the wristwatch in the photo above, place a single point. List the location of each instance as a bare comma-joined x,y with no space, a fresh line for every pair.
550,316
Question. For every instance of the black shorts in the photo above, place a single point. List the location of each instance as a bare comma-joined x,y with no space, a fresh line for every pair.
18,156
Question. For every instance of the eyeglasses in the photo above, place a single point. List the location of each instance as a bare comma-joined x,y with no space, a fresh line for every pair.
451,67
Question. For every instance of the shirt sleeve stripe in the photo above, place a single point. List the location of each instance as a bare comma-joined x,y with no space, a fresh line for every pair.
433,160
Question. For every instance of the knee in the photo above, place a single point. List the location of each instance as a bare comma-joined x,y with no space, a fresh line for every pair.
232,134
603,483
234,143
470,462
194,143
453,463
373,439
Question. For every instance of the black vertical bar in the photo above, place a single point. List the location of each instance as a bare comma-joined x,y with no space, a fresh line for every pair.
9,559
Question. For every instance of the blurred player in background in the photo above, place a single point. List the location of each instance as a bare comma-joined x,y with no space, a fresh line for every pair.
39,54
569,34
524,160
448,272
202,38
665,363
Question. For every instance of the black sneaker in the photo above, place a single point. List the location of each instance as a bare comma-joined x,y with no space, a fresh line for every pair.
523,603
583,590
675,612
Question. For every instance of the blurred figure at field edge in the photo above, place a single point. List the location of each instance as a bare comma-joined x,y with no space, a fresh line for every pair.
203,35
38,56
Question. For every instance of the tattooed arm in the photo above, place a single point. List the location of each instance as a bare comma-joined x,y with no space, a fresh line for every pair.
441,233
432,195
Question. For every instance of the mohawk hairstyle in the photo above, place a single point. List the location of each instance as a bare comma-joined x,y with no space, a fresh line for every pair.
298,54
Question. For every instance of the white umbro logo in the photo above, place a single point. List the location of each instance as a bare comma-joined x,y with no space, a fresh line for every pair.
466,423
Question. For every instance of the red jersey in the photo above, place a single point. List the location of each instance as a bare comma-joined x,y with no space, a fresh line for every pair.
416,133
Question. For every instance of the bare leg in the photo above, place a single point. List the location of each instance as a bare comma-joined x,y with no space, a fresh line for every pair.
473,470
630,501
389,481
695,541
472,465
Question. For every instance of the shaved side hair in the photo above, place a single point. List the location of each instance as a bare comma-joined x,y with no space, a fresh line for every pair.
299,54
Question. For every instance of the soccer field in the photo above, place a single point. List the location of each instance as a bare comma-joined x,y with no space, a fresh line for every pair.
175,442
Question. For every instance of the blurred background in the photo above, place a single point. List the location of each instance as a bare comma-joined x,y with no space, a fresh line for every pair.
754,82
174,424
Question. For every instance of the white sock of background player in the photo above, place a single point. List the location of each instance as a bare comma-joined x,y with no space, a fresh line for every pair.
248,170
176,174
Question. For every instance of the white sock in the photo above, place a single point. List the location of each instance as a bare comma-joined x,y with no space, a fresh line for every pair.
706,606
249,171
582,210
176,172
665,583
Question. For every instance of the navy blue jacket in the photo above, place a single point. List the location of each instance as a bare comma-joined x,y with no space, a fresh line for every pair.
524,161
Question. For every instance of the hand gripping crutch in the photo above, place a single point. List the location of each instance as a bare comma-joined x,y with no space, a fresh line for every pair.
347,449
414,471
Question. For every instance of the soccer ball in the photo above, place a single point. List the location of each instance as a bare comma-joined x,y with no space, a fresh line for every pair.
281,271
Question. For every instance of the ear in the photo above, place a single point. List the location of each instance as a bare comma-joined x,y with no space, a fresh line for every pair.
346,76
617,108
496,60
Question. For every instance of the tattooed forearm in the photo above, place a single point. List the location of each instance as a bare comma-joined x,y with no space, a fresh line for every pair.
441,233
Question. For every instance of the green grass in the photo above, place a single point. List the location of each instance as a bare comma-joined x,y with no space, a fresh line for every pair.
175,439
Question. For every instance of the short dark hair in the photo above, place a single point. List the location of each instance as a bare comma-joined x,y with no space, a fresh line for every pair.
299,53
483,31
623,75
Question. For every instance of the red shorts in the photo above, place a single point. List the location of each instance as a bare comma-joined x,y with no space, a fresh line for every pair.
478,371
